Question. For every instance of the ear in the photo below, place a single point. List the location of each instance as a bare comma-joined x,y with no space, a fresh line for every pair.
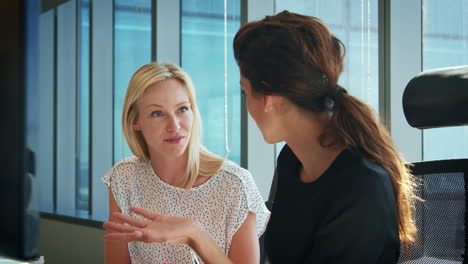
269,102
136,125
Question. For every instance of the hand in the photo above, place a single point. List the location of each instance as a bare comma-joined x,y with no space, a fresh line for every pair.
157,229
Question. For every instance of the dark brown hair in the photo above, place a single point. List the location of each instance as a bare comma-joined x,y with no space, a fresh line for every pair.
297,57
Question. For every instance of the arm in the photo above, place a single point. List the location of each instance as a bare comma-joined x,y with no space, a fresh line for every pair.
115,251
202,243
165,228
244,246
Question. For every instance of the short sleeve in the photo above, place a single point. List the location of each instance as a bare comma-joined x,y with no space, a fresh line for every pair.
247,199
118,180
106,179
113,179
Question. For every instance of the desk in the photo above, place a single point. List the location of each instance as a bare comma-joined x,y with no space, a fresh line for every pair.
4,260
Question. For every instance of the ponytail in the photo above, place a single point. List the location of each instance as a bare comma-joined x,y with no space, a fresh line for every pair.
353,124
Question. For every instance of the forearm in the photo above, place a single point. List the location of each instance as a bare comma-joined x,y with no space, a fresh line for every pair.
202,243
116,252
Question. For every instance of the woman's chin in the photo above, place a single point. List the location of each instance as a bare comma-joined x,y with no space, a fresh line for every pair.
270,140
172,151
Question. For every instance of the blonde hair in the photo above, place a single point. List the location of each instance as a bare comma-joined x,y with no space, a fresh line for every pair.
200,162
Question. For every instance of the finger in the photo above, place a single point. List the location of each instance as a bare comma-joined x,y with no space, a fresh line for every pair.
143,212
134,236
117,227
109,227
130,220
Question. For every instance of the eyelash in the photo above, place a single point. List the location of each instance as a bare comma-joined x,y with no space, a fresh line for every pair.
185,109
243,92
159,113
153,114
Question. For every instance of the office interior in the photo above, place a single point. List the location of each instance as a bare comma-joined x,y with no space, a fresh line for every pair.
88,49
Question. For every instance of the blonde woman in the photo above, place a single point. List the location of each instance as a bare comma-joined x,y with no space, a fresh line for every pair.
176,202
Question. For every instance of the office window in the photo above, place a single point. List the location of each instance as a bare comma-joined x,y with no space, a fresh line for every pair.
59,103
207,31
445,44
132,49
83,114
355,23
46,143
73,84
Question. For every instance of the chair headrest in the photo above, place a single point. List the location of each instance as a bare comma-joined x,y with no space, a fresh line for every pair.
437,98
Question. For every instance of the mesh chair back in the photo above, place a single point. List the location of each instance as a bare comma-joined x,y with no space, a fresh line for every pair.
441,217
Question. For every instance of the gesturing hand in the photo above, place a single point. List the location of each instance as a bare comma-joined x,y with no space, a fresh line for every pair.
157,229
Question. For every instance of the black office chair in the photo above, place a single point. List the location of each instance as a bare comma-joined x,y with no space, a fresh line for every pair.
439,98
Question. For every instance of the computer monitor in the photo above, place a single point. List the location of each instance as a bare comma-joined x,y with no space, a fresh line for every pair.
19,217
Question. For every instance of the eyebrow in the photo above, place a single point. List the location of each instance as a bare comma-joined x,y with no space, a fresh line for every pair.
179,104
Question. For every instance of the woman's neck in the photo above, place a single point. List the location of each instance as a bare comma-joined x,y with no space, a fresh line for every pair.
170,169
304,142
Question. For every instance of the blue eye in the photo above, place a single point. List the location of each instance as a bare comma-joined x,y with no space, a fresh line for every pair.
156,114
183,109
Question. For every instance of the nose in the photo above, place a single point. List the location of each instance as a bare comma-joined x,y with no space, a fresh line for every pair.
173,124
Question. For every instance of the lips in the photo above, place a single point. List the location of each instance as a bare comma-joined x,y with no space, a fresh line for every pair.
174,140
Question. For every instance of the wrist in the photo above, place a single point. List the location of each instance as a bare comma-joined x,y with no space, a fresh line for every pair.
195,233
202,243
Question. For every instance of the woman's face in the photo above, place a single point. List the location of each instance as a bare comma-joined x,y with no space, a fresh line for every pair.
260,111
165,118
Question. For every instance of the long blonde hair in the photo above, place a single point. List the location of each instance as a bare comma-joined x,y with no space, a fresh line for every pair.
201,162
297,57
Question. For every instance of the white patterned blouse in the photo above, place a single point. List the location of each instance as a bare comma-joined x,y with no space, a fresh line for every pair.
220,205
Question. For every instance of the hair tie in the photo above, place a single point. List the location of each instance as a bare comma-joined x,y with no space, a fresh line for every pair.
330,100
339,90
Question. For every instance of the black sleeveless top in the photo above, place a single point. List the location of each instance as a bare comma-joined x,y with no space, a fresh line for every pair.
348,215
